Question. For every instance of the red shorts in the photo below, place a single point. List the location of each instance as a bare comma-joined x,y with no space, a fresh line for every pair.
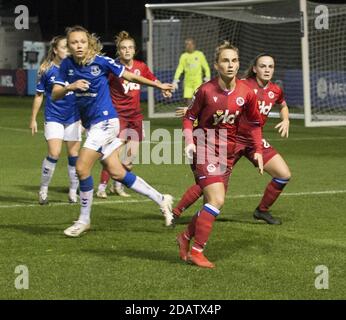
131,130
208,173
247,151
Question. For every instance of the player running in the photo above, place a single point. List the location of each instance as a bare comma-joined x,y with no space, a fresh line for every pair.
126,98
218,106
258,77
193,64
87,72
62,121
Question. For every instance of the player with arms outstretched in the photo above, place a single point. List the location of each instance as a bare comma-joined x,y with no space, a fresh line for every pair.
258,77
87,72
62,121
126,99
218,106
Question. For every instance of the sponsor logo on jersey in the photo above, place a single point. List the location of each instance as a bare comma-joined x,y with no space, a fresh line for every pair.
271,94
215,99
240,101
225,117
52,79
71,72
211,168
255,90
130,86
263,108
95,71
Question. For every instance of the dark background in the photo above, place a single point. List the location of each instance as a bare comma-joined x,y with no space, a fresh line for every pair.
104,17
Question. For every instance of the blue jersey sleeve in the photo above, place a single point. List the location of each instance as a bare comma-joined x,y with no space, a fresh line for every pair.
113,66
41,83
62,76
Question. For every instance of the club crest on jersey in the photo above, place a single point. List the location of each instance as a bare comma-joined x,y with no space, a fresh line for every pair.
137,72
240,101
271,94
95,71
211,168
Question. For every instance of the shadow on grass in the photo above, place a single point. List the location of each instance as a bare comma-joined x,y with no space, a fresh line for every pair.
34,229
35,189
142,254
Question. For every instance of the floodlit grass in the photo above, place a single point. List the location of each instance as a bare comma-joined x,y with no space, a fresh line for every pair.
129,254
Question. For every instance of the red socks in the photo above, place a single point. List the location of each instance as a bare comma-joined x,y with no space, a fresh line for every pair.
104,177
272,192
189,198
201,225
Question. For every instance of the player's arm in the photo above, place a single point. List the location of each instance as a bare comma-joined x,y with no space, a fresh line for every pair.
149,75
178,72
36,105
60,89
255,123
129,76
61,86
190,117
205,67
284,126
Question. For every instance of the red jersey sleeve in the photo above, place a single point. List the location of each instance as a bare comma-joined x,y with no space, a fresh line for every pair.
281,97
147,73
192,114
254,120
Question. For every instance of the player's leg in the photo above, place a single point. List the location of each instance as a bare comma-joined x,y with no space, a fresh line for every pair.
105,176
134,135
54,134
191,195
137,184
73,138
201,225
281,175
85,163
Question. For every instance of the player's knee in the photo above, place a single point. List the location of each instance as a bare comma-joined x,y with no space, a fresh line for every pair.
54,154
82,171
217,201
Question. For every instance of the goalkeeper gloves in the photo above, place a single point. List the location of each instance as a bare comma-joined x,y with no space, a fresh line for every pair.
206,79
175,84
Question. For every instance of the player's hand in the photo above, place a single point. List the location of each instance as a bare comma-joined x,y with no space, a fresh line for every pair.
283,127
82,85
190,149
259,158
180,112
175,85
165,87
33,127
167,93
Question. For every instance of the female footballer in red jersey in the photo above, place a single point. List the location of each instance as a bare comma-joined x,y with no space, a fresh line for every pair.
258,77
126,99
218,106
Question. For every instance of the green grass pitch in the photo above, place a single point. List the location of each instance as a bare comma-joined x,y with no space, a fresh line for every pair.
129,254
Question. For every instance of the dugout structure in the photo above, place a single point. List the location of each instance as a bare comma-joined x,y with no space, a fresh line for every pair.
307,39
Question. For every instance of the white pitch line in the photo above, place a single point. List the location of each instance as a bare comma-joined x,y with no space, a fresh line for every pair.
181,142
240,196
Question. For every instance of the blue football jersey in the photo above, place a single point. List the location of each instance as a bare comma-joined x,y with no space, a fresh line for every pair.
62,111
95,104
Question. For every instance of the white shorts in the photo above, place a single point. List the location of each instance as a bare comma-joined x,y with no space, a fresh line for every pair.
69,132
102,137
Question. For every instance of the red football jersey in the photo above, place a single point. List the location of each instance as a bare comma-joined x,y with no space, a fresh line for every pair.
126,95
267,97
217,109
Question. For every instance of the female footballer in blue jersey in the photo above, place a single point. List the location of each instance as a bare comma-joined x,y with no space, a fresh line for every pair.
62,121
87,72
